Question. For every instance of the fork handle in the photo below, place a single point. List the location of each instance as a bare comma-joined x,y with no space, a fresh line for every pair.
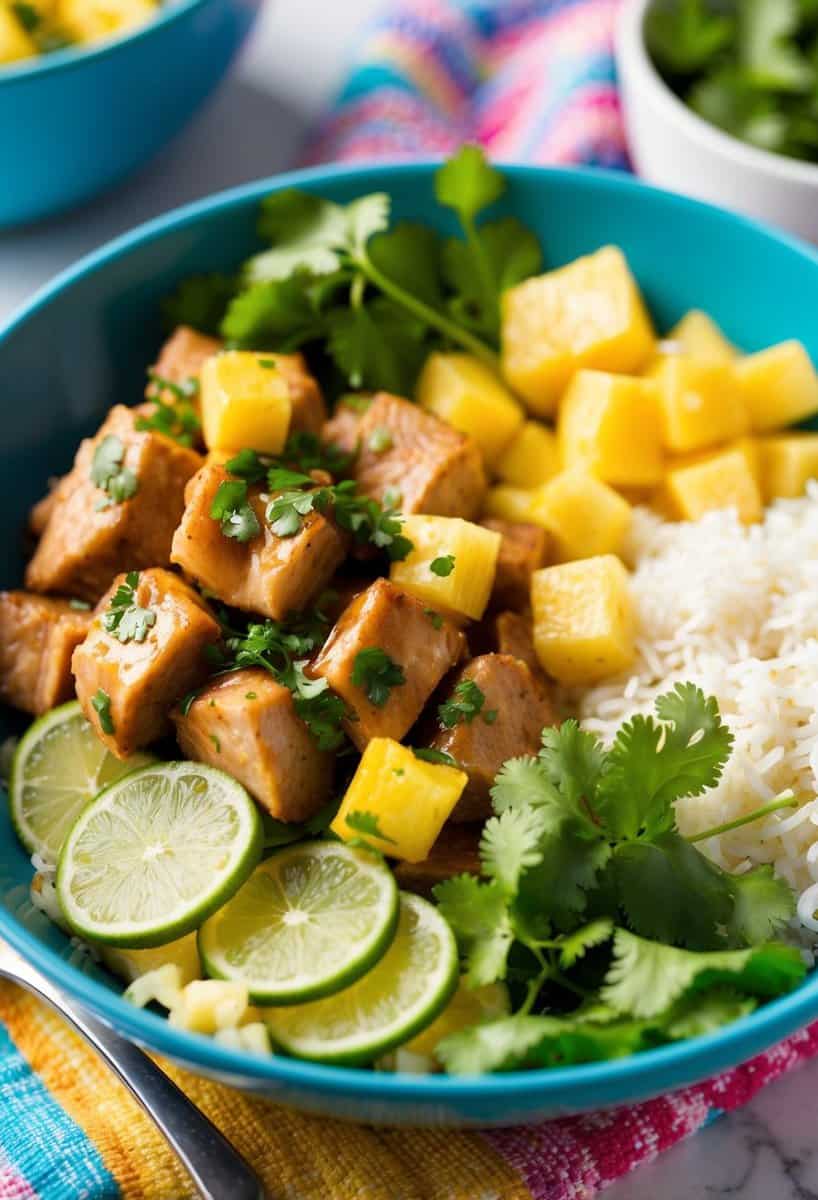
217,1169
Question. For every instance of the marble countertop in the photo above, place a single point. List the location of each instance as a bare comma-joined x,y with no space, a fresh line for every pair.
766,1151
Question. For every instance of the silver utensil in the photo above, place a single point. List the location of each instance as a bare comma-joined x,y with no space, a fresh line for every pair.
218,1171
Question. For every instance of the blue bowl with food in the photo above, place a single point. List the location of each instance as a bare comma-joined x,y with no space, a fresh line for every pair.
410,665
90,92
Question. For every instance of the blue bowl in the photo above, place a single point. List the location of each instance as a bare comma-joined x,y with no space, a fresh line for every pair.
83,343
74,122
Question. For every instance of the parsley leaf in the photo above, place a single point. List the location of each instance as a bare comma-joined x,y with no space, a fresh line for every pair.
107,472
442,566
367,823
465,703
376,673
101,704
125,618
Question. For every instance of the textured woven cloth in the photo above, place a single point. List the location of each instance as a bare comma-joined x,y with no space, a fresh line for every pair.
532,80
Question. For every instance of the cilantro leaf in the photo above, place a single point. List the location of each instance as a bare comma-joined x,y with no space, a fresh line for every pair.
521,782
376,674
108,473
685,36
511,253
101,704
465,703
409,254
377,345
428,754
767,46
177,421
367,823
645,977
467,183
510,845
574,946
499,1045
762,905
555,892
281,313
442,566
199,301
125,618
703,1012
479,917
575,762
231,508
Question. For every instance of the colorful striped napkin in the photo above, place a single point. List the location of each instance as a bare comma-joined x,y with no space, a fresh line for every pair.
531,80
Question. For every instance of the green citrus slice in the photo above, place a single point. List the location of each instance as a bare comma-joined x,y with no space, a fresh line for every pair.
310,920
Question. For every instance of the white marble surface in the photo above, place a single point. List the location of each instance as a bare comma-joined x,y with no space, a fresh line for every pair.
767,1151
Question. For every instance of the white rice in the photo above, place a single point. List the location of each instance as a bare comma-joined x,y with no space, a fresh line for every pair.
735,610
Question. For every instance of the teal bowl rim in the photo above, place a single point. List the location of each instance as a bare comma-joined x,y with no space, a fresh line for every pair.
78,54
570,1088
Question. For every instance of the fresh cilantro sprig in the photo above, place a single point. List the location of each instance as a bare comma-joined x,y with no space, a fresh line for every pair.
375,673
368,825
101,704
110,475
362,516
466,702
125,618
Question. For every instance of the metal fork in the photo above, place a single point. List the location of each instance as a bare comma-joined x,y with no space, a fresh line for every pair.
218,1171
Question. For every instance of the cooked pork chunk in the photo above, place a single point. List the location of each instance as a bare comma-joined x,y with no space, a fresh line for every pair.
434,468
481,746
343,429
246,724
89,536
308,409
455,851
390,620
523,551
142,679
38,635
511,633
182,357
269,574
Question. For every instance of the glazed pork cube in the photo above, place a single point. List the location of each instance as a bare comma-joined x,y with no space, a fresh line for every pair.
432,468
246,724
343,429
455,851
181,359
38,635
268,574
145,650
512,633
309,411
514,710
523,550
115,511
385,656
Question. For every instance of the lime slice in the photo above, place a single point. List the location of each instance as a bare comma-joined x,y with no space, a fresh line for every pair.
58,767
156,853
310,920
402,994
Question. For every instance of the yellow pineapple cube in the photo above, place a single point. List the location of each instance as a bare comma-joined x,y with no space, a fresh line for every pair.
583,619
612,426
779,386
451,566
516,504
182,953
245,402
700,403
787,463
585,517
468,395
207,1005
531,457
698,336
92,20
411,799
586,314
723,480
15,43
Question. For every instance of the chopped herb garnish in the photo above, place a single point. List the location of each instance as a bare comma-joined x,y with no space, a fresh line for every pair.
178,420
27,15
398,772
442,566
108,473
361,516
231,508
367,823
250,695
376,674
79,605
380,440
434,617
214,739
101,704
427,754
186,702
464,704
126,619
269,364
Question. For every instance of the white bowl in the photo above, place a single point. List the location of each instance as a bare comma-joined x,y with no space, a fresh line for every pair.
674,148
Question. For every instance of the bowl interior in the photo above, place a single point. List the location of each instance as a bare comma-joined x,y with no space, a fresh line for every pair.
83,344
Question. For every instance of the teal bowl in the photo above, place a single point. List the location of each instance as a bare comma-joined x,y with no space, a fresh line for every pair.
83,343
75,122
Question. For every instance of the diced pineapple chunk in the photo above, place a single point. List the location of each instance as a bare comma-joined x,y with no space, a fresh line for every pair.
206,1005
723,480
516,504
612,426
410,798
583,619
468,395
698,336
91,20
131,964
779,386
787,463
701,403
587,314
585,516
531,457
15,44
162,984
451,566
245,402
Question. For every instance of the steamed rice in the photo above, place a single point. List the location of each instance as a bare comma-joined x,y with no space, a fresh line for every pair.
735,610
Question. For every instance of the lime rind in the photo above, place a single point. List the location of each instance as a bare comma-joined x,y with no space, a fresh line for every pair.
402,994
59,766
156,854
312,918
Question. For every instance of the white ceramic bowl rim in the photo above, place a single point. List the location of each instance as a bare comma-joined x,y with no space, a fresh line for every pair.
631,47
77,55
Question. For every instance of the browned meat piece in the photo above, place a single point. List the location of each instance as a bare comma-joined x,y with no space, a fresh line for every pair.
511,633
143,679
270,575
181,358
434,468
343,429
523,551
40,513
455,851
480,747
308,409
389,619
84,545
38,635
246,724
